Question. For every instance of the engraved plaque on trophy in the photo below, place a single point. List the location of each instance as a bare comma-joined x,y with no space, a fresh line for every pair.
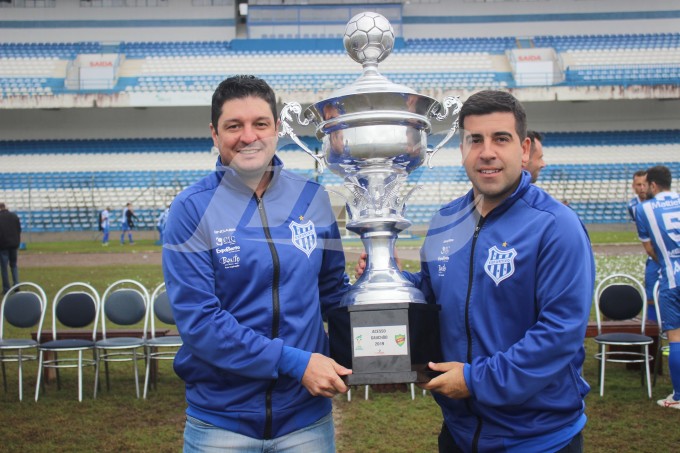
373,134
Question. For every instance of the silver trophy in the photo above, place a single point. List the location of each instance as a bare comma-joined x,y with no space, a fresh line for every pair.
374,133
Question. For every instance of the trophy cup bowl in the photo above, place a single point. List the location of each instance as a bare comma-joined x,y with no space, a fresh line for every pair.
373,134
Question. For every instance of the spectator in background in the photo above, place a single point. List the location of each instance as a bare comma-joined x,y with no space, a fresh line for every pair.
10,239
535,163
652,268
160,224
105,225
658,223
639,189
252,258
127,223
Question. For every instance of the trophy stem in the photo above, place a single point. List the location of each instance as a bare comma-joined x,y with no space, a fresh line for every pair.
380,250
382,281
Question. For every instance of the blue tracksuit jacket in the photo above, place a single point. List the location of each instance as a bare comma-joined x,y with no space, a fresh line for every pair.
515,289
248,280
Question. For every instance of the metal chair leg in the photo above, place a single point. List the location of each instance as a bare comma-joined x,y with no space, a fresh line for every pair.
4,375
603,359
146,375
106,371
21,376
134,359
95,357
40,373
80,376
56,359
649,379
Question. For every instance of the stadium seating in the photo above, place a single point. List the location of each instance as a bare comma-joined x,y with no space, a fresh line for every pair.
422,63
590,170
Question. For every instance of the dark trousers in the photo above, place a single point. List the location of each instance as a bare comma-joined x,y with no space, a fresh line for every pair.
8,257
448,445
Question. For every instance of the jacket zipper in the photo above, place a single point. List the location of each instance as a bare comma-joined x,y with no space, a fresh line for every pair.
468,331
275,311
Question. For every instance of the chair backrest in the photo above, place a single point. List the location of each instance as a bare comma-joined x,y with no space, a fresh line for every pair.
76,305
620,297
620,302
23,309
161,309
124,303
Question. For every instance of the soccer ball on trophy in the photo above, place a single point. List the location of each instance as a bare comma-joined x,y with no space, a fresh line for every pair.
369,38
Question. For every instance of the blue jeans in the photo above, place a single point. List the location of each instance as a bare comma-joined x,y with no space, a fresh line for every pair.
105,237
8,257
201,437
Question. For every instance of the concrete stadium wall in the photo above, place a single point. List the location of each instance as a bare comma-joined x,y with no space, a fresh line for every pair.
462,18
68,22
181,21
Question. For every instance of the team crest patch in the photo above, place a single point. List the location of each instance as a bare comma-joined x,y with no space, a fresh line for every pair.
500,264
400,339
304,236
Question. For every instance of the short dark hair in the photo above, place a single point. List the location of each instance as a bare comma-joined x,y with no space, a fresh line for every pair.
239,87
534,135
492,101
639,173
660,175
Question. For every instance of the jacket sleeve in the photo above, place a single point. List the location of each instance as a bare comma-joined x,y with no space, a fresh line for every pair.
421,279
333,280
209,332
565,274
641,224
631,211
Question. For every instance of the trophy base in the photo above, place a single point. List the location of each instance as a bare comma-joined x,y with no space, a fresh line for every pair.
387,377
386,343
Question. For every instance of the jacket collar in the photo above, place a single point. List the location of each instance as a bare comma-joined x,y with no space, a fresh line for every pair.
520,190
232,180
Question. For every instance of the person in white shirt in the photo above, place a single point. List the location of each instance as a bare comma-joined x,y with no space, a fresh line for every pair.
104,225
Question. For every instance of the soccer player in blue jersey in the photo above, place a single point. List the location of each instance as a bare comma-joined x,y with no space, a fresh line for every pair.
652,268
658,222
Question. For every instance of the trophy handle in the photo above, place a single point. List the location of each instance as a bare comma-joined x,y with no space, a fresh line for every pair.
348,206
287,129
402,206
449,102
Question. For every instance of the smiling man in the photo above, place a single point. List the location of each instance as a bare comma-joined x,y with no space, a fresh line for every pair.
252,258
513,272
